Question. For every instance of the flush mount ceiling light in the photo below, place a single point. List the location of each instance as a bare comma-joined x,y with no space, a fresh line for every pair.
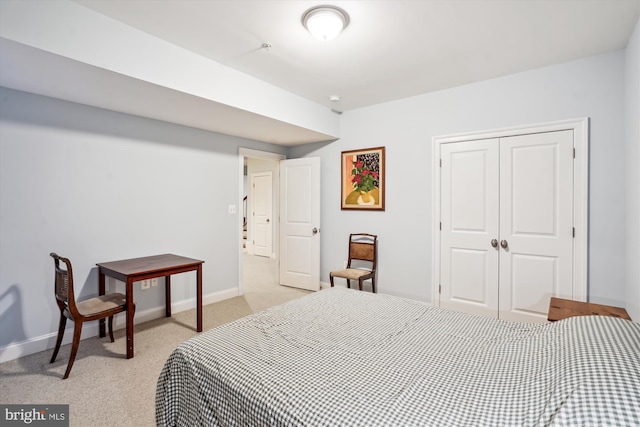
325,22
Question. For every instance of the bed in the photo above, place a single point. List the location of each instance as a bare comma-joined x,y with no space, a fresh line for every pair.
342,357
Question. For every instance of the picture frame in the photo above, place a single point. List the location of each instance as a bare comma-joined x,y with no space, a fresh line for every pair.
362,179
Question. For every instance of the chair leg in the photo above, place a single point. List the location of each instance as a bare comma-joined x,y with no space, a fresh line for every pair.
111,328
348,283
373,284
331,280
77,331
360,283
63,324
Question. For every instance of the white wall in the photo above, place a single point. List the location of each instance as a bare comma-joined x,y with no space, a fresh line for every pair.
632,136
591,87
95,185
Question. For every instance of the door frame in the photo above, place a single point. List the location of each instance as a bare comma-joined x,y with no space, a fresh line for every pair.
580,128
253,154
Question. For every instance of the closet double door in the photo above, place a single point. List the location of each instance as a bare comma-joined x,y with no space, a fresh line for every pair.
507,224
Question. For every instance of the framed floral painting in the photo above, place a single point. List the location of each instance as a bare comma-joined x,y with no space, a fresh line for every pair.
363,179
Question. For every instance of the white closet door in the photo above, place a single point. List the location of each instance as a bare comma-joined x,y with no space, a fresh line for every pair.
469,213
536,223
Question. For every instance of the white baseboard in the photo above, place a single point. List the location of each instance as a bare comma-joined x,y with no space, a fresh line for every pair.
48,341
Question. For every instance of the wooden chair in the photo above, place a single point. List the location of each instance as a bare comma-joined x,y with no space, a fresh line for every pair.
362,247
96,308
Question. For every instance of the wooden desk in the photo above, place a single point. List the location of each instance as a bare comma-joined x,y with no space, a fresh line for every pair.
135,269
560,308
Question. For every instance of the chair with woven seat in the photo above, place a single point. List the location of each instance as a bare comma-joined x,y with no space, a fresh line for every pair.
96,308
362,261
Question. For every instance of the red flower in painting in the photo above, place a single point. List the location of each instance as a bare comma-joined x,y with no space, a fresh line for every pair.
363,178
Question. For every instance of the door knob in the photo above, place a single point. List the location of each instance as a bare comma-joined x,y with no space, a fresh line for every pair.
494,243
504,244
267,219
314,231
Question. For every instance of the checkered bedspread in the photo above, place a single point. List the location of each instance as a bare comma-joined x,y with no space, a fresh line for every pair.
342,357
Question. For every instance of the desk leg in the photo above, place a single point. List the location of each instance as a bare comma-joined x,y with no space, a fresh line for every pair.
101,291
167,295
130,313
199,298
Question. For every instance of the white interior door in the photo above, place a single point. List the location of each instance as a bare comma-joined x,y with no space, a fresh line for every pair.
262,216
536,223
469,214
300,223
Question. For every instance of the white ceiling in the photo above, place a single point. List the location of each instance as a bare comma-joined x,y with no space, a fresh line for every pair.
391,49
208,69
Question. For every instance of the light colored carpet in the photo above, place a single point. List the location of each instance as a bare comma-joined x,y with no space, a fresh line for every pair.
106,389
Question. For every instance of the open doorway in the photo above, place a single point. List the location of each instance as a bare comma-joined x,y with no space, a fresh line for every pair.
260,185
